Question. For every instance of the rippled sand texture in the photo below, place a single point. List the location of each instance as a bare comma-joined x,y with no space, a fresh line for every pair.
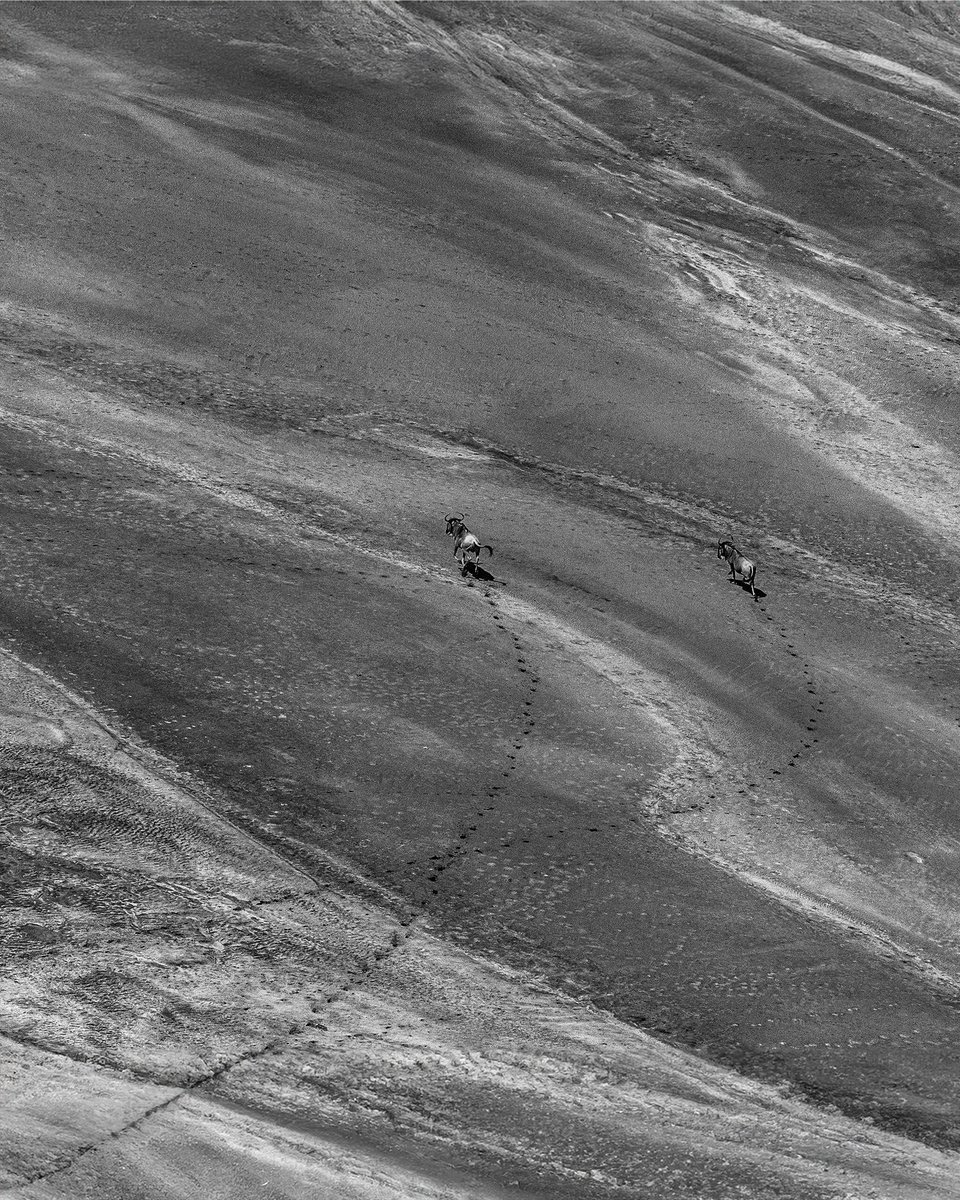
328,871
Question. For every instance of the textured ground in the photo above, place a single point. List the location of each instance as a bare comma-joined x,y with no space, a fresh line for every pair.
330,872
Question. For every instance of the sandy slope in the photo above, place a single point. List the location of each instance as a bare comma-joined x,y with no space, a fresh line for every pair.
223,1022
584,876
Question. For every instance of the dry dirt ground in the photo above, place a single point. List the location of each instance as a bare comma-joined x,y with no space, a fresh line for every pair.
330,872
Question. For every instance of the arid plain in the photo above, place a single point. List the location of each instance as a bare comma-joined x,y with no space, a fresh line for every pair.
329,872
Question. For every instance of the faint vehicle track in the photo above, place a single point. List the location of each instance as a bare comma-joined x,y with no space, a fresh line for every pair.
688,43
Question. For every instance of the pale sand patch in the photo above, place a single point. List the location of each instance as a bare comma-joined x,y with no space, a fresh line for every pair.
861,437
698,739
875,66
462,1024
437,1022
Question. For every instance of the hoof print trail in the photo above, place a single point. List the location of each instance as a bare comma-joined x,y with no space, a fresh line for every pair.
817,708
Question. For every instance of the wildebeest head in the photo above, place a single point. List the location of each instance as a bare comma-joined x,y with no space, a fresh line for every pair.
455,523
724,548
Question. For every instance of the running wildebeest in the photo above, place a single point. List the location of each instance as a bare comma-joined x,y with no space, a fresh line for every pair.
738,564
464,542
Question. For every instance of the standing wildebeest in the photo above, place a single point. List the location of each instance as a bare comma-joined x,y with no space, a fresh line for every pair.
738,564
464,542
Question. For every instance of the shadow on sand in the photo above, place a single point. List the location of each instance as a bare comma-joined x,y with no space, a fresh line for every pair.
478,572
760,594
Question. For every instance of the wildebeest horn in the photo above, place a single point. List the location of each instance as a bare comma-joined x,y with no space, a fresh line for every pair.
455,516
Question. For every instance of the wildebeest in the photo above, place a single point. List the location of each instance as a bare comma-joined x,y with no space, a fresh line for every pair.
464,542
738,564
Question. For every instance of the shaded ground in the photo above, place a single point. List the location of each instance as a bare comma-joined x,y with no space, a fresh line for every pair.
586,875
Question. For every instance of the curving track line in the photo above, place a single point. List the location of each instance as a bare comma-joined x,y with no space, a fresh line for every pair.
680,723
409,922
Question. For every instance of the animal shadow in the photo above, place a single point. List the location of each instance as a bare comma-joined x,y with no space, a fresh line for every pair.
759,593
478,572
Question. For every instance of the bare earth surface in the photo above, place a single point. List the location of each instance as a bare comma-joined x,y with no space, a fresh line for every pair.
330,872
